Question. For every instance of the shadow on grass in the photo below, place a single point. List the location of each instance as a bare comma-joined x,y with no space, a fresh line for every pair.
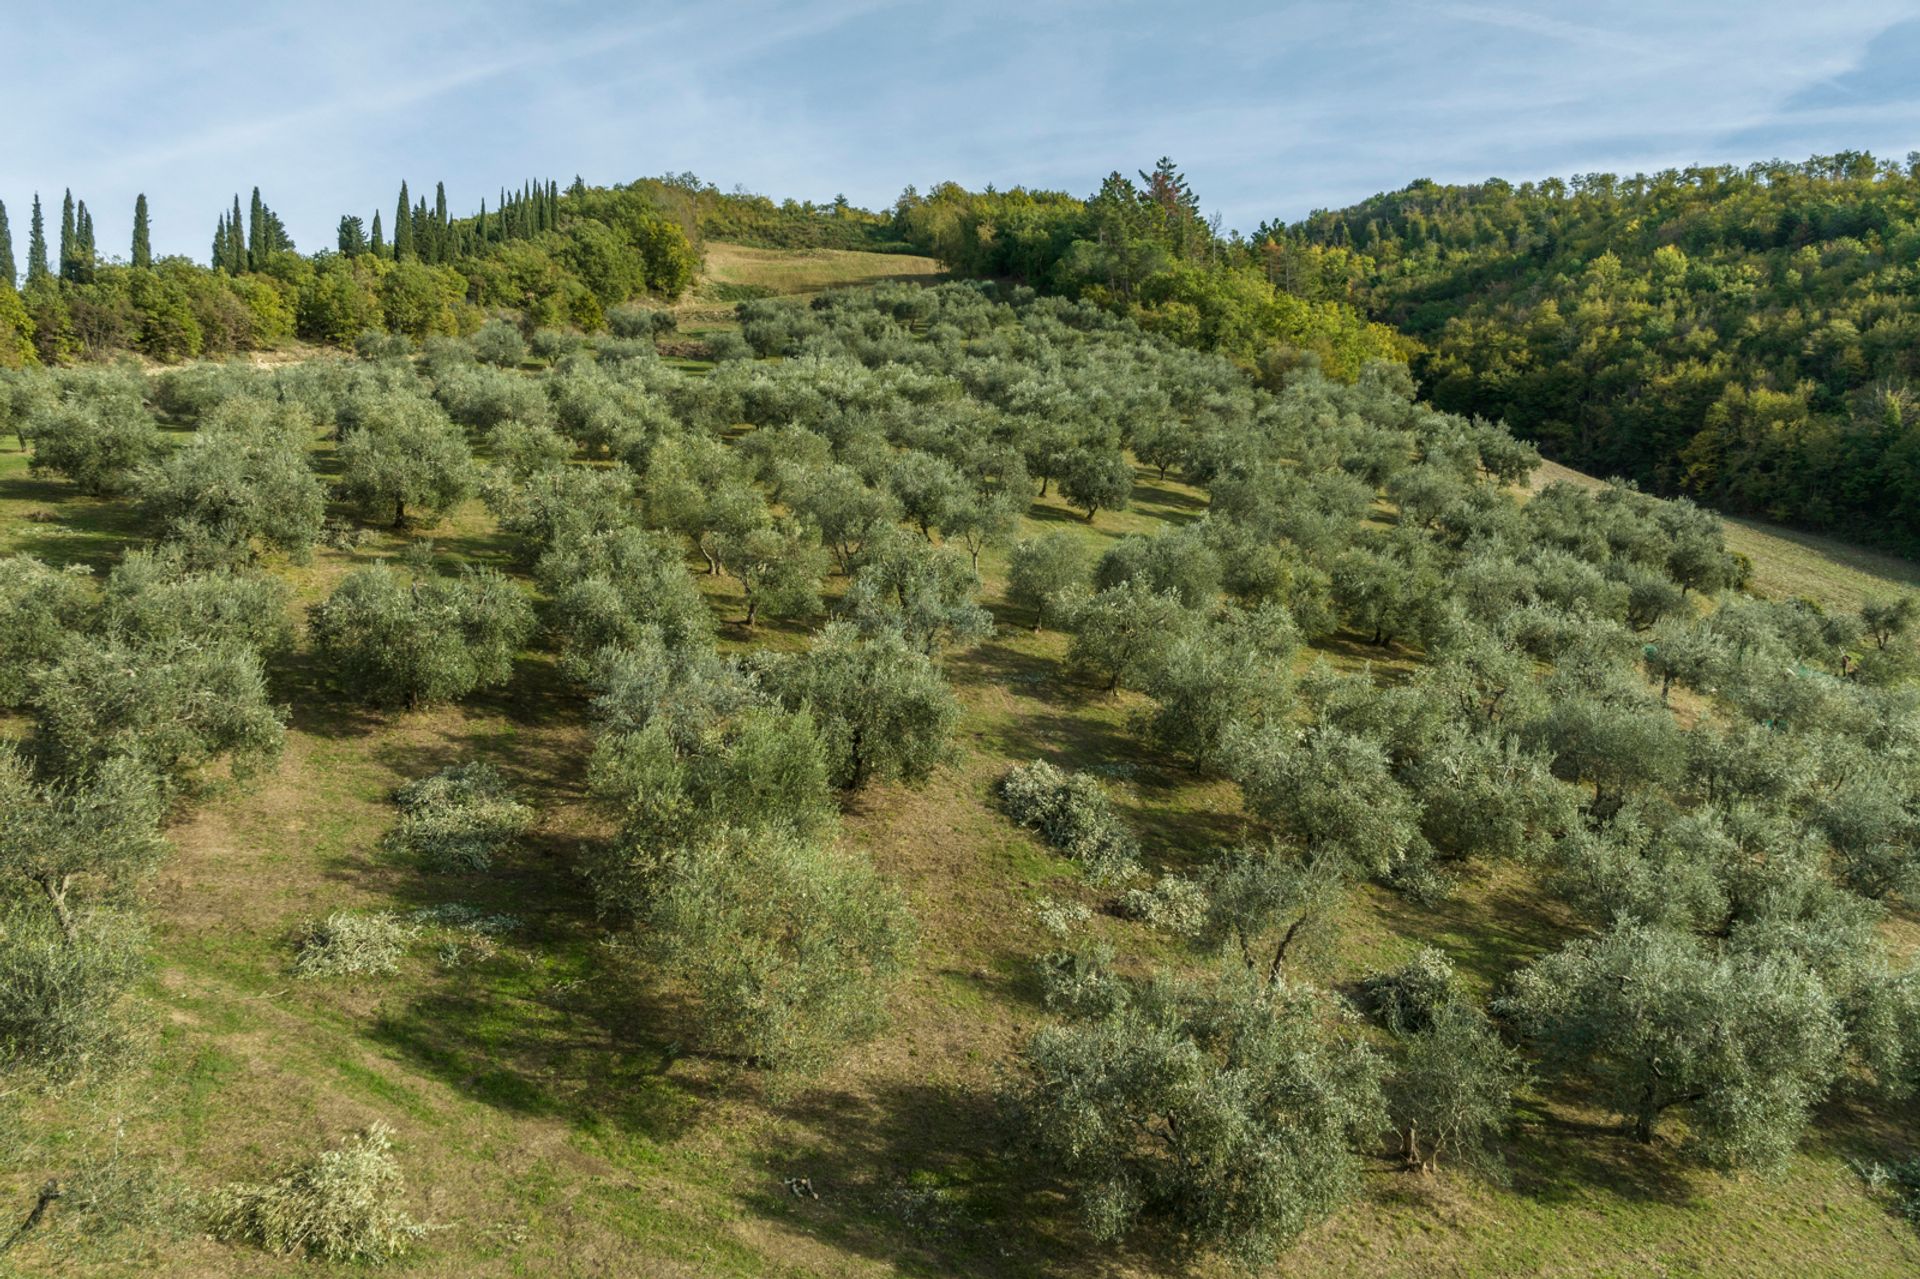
926,1177
1555,1159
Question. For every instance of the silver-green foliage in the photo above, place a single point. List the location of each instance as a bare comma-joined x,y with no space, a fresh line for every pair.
1073,813
399,641
1228,1115
789,947
460,818
343,1205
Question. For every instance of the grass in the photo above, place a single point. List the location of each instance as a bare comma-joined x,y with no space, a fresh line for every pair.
1790,564
553,1120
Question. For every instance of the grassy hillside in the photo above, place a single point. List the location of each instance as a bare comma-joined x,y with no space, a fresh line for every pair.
550,1129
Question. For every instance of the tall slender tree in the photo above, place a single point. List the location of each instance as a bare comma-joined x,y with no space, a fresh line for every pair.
85,251
7,272
142,239
36,244
218,257
256,232
403,226
68,237
236,239
378,245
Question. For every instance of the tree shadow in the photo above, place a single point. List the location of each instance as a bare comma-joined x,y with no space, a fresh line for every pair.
927,1177
1555,1159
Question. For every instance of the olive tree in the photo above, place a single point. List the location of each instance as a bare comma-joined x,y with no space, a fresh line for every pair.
401,642
1229,1115
847,513
1096,480
101,832
606,588
778,566
1450,1092
882,707
788,947
241,485
924,593
1044,572
1747,1044
175,706
1124,634
410,457
1329,790
99,445
41,608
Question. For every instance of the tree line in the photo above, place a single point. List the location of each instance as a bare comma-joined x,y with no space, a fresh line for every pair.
556,258
1742,335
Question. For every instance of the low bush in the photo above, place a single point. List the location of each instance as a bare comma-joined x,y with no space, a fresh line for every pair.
350,945
342,1205
459,819
1072,812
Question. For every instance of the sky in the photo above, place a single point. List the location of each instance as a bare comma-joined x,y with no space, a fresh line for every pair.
1272,110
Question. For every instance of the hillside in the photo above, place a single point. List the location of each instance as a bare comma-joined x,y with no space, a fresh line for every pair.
1745,336
557,1103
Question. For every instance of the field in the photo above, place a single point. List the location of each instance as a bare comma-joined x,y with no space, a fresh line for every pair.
548,1128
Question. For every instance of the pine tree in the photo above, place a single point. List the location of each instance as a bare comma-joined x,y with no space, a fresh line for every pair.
142,239
7,274
378,246
68,237
352,237
36,244
403,227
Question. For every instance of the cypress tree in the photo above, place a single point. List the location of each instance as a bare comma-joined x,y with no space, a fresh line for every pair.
553,205
236,239
36,244
6,247
68,235
256,233
479,233
402,227
379,245
440,204
218,258
142,241
85,252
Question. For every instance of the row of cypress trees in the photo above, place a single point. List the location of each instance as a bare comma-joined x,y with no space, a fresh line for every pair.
429,235
78,250
244,242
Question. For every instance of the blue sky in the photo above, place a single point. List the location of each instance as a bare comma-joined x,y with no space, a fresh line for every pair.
1272,109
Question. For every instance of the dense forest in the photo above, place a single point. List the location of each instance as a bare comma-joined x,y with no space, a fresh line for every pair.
1749,336
759,586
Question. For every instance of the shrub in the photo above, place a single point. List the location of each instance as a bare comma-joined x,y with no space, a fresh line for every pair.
61,996
1407,999
350,945
1175,904
460,818
1072,812
342,1205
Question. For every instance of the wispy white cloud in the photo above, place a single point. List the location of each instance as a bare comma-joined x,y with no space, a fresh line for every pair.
1273,108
